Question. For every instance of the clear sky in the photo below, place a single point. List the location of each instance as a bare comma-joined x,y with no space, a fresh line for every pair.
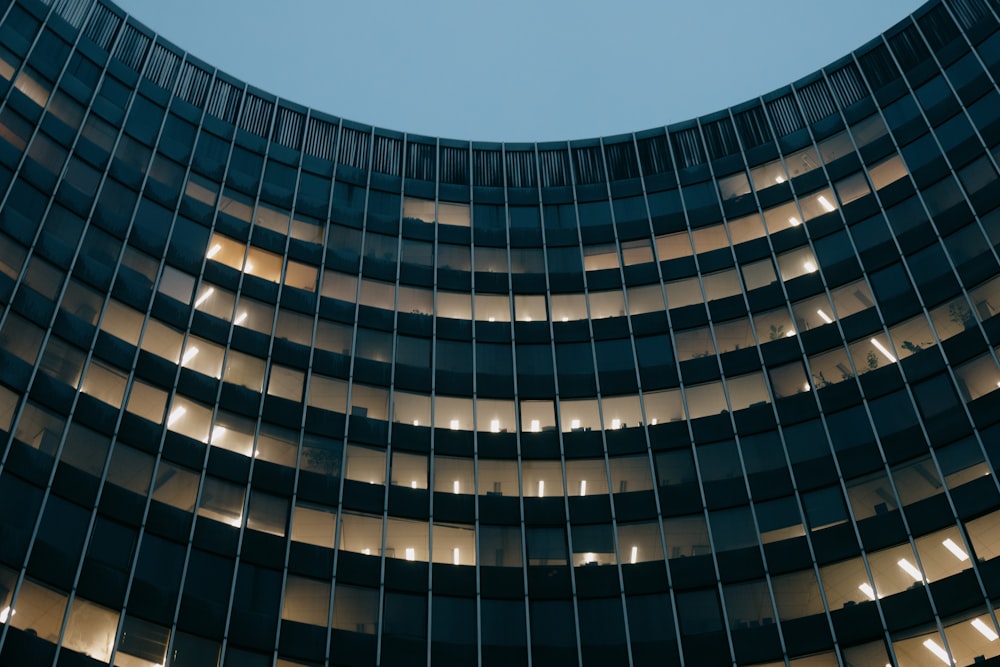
518,70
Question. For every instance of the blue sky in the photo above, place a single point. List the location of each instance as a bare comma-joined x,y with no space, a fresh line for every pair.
519,70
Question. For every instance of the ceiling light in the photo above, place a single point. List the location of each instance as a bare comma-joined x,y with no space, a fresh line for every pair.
867,589
908,567
616,424
794,222
411,553
176,414
825,203
574,423
810,267
494,426
984,630
635,554
455,558
189,354
456,486
453,424
933,647
958,552
779,179
536,426
583,487
881,348
240,319
204,297
541,488
214,250
823,316
218,432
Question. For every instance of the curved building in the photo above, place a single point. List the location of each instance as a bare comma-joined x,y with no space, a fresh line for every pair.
278,389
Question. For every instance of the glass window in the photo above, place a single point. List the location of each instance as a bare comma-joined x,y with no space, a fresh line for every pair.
406,539
314,526
454,475
361,533
586,477
306,600
454,544
500,546
542,479
498,477
366,464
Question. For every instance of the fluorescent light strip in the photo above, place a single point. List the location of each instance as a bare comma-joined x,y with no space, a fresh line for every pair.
810,267
933,647
794,222
178,412
204,297
823,316
494,426
825,203
956,550
909,568
583,487
867,589
985,630
881,348
541,488
635,554
214,250
456,487
189,354
455,557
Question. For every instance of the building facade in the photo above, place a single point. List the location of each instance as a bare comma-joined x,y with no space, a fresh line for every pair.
280,389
